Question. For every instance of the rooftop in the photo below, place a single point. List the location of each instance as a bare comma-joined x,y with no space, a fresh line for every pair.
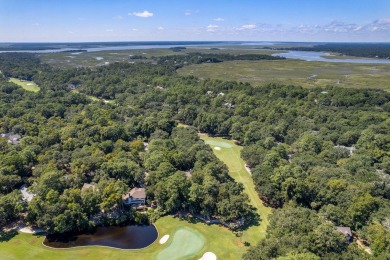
345,230
86,186
136,193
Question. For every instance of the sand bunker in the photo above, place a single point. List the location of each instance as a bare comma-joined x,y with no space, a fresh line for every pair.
217,148
30,230
30,84
208,256
164,239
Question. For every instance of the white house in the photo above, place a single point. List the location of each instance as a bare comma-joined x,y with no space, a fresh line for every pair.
136,197
12,139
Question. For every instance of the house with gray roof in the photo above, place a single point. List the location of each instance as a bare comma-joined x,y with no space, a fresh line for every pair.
346,231
136,197
12,138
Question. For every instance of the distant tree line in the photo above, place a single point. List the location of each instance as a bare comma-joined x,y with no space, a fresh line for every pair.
198,58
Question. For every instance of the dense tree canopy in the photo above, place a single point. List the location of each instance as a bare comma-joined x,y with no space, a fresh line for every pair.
320,156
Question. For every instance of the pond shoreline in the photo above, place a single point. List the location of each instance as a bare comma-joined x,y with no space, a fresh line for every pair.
91,238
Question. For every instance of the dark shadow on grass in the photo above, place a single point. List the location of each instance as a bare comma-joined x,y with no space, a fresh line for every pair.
252,219
6,236
39,234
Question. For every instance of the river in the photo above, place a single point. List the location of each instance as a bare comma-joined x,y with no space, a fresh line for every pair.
320,56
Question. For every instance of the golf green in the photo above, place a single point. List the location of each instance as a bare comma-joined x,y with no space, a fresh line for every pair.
186,242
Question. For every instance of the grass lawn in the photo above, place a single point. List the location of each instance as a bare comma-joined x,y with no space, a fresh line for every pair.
27,85
296,72
218,239
185,243
229,153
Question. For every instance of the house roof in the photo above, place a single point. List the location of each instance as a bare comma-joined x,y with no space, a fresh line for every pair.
345,230
28,196
86,186
136,193
12,139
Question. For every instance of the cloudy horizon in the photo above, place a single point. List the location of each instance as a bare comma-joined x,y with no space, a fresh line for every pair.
157,20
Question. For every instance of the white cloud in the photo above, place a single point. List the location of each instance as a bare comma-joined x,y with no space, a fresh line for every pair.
160,28
135,30
144,14
248,27
187,13
212,27
118,17
382,21
109,30
36,24
219,19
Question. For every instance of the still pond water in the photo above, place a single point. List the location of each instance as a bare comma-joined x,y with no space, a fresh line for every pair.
127,237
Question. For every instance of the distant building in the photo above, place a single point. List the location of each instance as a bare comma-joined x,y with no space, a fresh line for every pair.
12,139
27,196
346,231
351,149
136,197
229,105
87,186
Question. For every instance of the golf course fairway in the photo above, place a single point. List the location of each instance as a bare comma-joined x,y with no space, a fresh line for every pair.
229,153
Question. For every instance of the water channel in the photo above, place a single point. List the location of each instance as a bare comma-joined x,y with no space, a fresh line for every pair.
321,56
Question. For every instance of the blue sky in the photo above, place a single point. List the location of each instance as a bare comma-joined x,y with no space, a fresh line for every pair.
159,20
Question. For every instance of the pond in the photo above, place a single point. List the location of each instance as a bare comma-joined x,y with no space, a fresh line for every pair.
320,56
127,237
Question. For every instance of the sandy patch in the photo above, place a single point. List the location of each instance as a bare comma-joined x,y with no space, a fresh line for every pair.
30,230
30,84
217,148
248,169
164,239
208,256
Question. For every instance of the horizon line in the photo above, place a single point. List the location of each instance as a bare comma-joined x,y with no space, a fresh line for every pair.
189,41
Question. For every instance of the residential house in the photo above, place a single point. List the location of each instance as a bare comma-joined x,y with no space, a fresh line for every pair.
87,186
12,139
27,196
346,231
136,197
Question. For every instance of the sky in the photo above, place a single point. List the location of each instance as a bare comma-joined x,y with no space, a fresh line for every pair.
194,20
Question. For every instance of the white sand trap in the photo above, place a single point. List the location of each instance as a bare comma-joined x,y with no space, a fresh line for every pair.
208,256
164,239
30,84
217,148
30,230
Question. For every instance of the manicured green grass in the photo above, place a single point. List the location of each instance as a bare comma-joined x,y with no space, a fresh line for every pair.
27,85
185,243
296,72
229,153
218,239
